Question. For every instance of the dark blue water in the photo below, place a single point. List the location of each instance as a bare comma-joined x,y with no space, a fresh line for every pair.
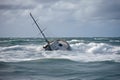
90,59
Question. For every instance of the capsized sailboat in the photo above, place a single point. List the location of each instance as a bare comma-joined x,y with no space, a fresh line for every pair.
55,44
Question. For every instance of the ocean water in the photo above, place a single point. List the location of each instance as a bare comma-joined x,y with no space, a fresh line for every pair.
90,59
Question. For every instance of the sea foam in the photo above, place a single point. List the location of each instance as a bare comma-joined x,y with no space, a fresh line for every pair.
86,52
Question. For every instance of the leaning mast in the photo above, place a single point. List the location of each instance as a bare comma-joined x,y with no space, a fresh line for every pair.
39,29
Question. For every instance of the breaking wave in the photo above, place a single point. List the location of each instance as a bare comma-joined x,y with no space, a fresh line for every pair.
81,51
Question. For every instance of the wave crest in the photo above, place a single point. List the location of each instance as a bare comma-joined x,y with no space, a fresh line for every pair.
85,52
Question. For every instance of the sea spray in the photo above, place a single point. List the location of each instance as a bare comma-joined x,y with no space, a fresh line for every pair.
89,59
81,51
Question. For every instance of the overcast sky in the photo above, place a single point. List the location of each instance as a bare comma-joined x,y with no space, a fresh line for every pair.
60,18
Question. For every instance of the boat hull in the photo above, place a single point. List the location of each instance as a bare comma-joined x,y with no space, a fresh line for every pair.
57,45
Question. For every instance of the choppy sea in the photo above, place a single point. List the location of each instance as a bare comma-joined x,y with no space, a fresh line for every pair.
96,58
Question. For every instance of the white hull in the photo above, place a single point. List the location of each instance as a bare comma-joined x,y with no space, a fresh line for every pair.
57,45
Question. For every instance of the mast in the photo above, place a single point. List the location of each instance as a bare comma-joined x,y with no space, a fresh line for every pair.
40,29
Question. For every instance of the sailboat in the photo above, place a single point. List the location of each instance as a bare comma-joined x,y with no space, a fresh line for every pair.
52,45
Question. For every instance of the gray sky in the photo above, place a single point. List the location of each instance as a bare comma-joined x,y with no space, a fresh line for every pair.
61,18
